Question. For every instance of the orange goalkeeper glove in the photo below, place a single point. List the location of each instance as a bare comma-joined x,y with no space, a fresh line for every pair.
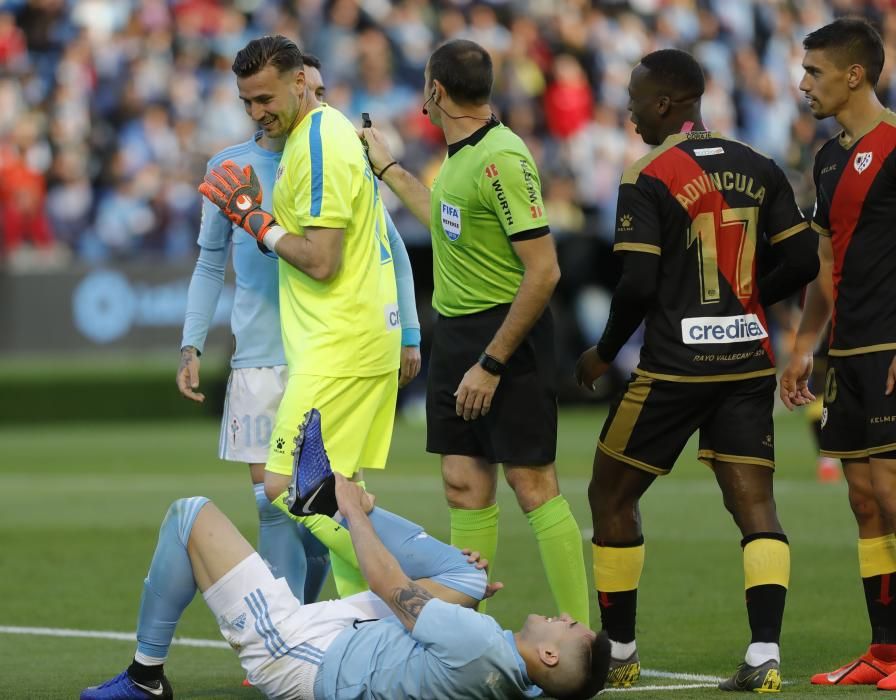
237,193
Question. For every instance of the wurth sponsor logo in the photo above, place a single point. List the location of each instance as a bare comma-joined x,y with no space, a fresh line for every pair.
529,179
502,201
722,329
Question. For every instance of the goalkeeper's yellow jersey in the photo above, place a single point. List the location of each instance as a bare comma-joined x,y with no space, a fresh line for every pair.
347,326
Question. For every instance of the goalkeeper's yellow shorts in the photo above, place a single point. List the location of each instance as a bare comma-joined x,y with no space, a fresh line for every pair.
357,415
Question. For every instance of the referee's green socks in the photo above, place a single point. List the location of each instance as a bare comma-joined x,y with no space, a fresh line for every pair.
476,530
560,544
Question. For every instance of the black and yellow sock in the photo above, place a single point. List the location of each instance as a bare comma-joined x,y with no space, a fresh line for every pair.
766,578
617,572
877,566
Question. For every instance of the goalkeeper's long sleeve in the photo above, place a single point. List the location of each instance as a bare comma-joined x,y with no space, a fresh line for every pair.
202,298
404,278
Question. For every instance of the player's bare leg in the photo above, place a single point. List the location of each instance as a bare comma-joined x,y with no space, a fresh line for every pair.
557,533
874,512
748,495
863,501
876,552
883,486
618,554
215,546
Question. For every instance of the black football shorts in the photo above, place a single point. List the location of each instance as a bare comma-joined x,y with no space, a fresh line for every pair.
521,427
652,420
858,419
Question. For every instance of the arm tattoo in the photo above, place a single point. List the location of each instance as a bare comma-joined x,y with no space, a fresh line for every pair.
409,601
187,354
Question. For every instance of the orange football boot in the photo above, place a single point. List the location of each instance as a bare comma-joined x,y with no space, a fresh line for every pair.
868,669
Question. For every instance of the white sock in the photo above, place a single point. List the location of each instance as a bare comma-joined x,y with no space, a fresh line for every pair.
620,651
760,652
148,660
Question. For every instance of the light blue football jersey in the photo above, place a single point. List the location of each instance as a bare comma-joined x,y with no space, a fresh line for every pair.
452,652
255,319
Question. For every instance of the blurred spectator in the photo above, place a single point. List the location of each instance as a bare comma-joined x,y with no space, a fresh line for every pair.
13,47
143,90
376,91
567,100
70,197
26,237
109,109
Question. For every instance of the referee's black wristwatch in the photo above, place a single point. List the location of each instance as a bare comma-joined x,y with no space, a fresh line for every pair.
492,365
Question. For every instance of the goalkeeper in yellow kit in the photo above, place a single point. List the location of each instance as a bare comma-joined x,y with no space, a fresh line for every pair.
338,299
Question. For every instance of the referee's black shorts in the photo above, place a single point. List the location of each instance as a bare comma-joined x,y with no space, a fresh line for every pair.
521,427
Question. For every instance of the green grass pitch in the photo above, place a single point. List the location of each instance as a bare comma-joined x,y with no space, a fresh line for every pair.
80,505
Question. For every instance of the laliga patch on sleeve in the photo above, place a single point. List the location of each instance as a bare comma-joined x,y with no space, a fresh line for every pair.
393,320
450,220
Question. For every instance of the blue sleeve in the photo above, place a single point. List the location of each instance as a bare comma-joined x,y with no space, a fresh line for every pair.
202,297
404,278
215,229
455,634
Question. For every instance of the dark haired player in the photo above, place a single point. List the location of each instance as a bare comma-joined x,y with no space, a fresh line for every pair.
690,218
411,636
490,397
259,372
855,180
338,298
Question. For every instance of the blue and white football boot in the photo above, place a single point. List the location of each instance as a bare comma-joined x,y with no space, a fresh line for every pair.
312,490
123,687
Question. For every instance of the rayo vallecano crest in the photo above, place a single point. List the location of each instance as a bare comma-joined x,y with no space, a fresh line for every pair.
862,161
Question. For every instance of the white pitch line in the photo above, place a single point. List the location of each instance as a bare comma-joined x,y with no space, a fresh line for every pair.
97,634
694,677
699,681
636,688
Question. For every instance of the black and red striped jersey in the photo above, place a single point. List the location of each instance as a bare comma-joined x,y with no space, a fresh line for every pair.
856,206
707,205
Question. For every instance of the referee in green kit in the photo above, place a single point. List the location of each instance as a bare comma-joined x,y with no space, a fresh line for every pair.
491,397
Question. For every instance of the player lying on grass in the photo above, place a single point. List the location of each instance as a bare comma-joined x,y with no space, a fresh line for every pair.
414,635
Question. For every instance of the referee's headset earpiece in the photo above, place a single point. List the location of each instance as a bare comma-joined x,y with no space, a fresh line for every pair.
432,96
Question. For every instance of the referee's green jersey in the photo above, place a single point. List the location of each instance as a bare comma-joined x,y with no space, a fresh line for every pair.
486,192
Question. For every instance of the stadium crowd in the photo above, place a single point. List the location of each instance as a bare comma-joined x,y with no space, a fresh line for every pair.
109,109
